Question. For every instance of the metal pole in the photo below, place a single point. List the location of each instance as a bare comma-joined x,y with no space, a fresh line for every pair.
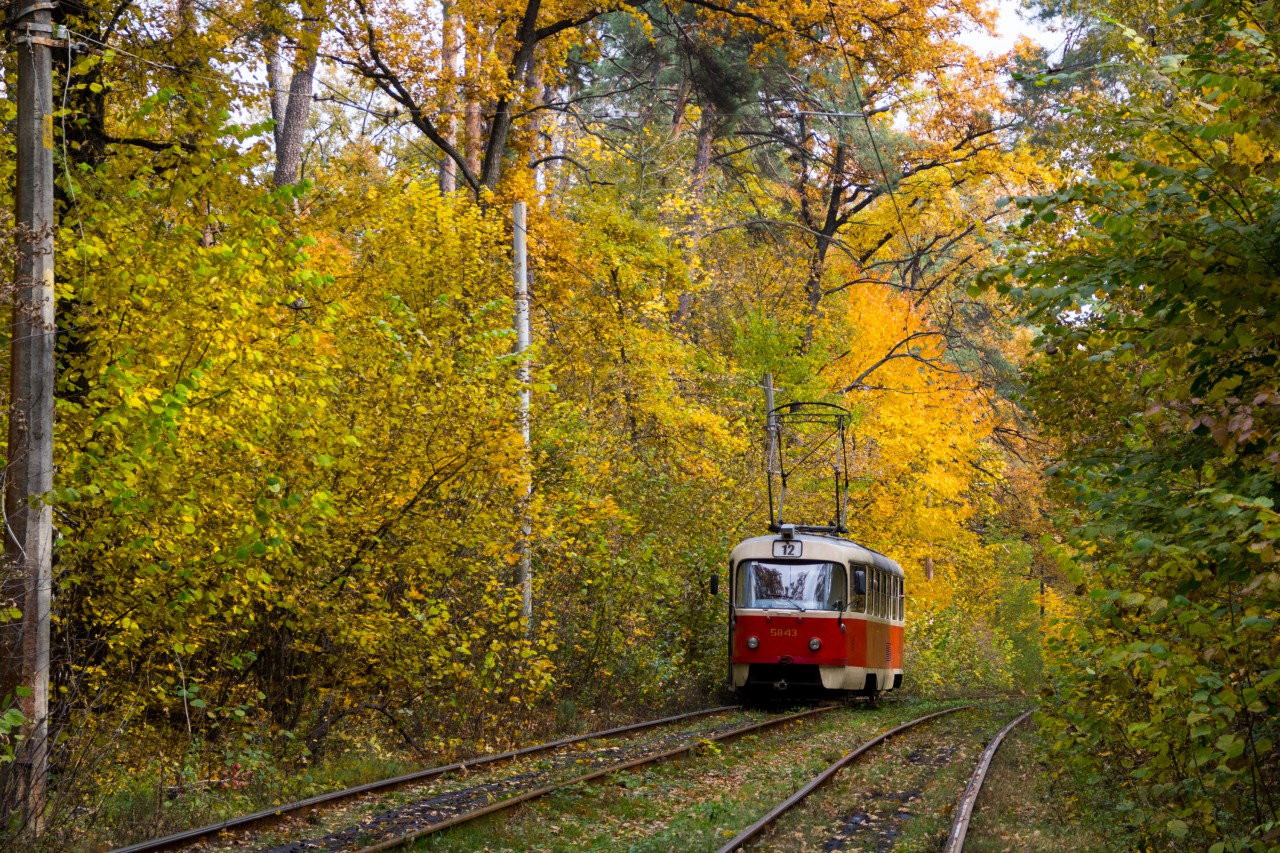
768,405
771,433
523,374
28,547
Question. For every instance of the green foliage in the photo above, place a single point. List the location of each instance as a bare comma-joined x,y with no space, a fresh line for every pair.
11,722
952,652
978,644
1155,284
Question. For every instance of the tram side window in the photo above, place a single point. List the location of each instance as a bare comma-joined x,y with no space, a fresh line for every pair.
879,606
874,608
897,598
857,600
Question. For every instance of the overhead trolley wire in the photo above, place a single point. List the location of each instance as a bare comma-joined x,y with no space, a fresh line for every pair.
862,109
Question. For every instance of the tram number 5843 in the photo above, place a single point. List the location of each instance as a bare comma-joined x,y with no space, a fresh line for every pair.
788,549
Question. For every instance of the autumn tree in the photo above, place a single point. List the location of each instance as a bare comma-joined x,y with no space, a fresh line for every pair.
399,50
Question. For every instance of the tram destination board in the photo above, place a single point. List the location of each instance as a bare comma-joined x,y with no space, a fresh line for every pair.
788,548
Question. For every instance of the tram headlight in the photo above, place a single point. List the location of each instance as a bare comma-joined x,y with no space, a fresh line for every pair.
815,644
753,643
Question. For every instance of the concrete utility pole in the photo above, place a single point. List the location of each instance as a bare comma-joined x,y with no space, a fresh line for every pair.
28,546
524,375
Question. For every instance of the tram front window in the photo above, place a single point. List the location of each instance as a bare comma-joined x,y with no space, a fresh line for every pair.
790,586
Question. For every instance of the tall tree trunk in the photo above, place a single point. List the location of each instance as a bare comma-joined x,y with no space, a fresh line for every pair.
278,83
298,109
702,156
475,134
826,237
473,120
680,109
449,77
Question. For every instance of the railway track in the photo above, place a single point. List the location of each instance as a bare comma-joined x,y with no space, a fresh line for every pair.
265,817
969,799
405,837
760,826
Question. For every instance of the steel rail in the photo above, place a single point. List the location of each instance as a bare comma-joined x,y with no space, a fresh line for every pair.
180,839
969,799
501,805
822,778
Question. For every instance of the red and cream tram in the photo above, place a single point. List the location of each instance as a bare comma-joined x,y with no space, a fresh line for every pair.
811,614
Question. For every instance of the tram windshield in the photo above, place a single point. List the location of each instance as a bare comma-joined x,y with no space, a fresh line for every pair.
790,586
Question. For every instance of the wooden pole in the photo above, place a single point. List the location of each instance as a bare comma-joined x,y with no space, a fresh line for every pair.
28,546
524,375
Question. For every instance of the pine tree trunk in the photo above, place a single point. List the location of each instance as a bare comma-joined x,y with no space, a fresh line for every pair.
278,82
702,157
298,111
474,134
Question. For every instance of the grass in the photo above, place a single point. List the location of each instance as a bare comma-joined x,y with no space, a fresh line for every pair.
149,809
157,798
121,796
1024,806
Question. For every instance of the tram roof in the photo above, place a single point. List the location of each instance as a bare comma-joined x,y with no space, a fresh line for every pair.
816,546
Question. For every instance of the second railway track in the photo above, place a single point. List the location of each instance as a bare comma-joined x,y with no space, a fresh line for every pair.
757,836
760,826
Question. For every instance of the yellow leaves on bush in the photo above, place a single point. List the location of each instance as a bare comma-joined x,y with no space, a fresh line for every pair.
331,429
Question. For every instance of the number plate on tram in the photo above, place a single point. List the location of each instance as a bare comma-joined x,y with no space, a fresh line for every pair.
783,548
